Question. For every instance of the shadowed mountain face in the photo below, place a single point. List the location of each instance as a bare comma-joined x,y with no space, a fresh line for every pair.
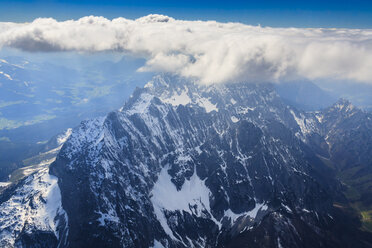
183,165
305,95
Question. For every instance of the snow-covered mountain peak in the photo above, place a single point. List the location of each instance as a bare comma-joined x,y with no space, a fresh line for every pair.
343,105
239,98
226,150
187,165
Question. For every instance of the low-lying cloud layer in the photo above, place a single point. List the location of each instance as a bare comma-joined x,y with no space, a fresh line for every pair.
211,52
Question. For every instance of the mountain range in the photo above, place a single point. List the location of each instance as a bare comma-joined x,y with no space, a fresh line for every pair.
189,165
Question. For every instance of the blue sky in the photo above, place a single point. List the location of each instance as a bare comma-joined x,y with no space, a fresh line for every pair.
316,13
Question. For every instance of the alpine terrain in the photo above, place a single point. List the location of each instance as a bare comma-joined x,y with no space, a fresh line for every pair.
189,165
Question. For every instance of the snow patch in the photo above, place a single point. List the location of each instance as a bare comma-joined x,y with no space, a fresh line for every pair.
183,98
192,198
287,208
194,192
107,218
4,184
6,75
306,125
178,99
205,103
319,117
61,139
149,84
279,243
53,200
245,110
157,244
198,150
252,214
234,119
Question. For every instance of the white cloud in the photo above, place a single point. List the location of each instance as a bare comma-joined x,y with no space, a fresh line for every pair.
211,52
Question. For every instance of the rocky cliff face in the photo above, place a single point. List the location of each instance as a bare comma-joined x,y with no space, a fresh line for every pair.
184,165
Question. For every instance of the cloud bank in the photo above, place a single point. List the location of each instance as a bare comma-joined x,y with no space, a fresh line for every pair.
208,51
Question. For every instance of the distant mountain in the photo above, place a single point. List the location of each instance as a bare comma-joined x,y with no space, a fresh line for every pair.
358,93
185,165
305,95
